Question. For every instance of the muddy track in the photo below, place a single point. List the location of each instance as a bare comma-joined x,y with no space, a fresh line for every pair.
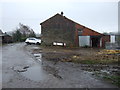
45,73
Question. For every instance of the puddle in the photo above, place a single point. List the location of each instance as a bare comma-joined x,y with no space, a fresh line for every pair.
35,47
38,56
20,68
7,76
34,73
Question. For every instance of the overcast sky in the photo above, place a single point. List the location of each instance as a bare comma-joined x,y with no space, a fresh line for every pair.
100,16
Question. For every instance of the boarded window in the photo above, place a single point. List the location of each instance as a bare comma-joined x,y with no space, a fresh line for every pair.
84,40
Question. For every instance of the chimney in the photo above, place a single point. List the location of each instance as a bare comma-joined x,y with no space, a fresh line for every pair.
62,13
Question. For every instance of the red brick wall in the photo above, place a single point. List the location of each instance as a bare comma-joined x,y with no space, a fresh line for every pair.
85,32
89,32
78,26
76,34
76,38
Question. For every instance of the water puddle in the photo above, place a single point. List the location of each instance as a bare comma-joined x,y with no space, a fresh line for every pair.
35,47
34,73
20,68
38,57
7,76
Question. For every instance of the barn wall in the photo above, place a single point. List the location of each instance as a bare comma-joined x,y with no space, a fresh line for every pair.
58,29
78,32
89,32
105,39
61,29
83,31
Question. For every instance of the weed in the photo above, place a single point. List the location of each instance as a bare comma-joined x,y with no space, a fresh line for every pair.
114,79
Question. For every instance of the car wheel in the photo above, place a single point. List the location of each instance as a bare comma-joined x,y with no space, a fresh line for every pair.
27,43
38,43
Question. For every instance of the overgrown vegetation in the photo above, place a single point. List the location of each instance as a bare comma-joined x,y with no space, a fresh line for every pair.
96,64
22,33
17,36
103,64
99,60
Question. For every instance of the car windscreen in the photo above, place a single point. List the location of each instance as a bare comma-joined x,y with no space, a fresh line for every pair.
31,39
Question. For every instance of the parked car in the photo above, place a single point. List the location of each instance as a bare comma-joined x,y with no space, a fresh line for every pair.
32,41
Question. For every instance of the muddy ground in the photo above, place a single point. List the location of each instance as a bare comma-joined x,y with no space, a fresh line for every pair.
31,66
56,60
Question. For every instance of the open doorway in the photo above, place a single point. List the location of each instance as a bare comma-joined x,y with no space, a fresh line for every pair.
95,41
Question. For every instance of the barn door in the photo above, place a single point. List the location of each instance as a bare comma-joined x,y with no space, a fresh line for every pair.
84,41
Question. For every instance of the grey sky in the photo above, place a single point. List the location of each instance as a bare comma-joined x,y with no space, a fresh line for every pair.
99,16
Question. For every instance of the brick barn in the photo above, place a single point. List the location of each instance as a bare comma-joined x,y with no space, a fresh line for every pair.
59,28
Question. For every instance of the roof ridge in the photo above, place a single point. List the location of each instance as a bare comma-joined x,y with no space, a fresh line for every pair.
50,18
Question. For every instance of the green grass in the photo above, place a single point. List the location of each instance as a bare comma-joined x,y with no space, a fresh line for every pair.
114,79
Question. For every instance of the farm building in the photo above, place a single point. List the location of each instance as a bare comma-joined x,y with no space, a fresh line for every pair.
5,38
63,30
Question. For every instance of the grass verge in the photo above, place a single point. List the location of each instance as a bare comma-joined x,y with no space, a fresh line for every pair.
95,61
114,79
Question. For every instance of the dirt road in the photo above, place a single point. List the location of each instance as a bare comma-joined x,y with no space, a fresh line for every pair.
21,68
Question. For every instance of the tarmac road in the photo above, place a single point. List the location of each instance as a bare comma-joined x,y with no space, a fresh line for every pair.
20,69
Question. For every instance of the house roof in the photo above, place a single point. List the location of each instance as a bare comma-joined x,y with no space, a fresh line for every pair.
49,18
1,32
84,27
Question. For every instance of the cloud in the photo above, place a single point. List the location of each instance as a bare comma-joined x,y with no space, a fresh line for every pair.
59,0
